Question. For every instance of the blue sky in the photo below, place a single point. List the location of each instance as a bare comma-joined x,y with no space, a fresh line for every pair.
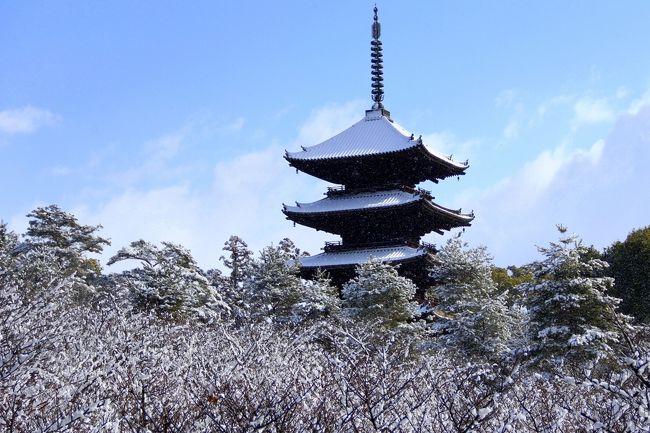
168,120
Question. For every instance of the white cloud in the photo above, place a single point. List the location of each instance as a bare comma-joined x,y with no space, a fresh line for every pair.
446,143
328,121
245,198
165,147
588,110
637,104
511,130
60,171
236,125
548,104
506,98
26,120
599,192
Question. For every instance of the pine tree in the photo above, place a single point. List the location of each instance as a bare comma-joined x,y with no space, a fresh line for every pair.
318,299
379,293
473,315
272,287
56,246
239,260
571,316
169,282
60,231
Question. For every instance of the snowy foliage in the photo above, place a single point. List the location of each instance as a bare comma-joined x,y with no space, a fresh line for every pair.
571,316
378,293
168,282
238,260
473,314
56,246
116,363
273,288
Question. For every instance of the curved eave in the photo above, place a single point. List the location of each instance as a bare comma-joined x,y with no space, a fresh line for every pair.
344,259
411,165
438,218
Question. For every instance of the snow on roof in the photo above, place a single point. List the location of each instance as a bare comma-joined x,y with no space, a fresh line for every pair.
370,200
366,200
374,134
356,257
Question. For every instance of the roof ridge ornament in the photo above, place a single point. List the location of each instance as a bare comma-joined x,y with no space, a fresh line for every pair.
377,67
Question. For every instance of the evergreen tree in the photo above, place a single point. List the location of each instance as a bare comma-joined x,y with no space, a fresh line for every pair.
571,316
239,260
272,287
169,282
318,299
50,227
473,315
56,247
379,293
630,267
8,244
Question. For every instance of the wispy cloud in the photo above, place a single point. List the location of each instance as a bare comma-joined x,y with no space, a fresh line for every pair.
327,121
545,106
26,119
637,104
507,98
598,192
511,130
60,171
588,110
244,197
446,143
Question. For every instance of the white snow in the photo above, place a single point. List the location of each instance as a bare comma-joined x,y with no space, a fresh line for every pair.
373,135
366,200
352,257
370,200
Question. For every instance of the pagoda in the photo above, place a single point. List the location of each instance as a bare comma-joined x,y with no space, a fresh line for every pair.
377,210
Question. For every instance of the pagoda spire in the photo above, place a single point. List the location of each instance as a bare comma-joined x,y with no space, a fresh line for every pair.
377,66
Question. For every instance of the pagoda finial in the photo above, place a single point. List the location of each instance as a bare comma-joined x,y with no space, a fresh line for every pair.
377,66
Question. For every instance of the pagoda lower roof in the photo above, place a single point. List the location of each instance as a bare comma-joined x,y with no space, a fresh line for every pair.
393,254
373,200
375,134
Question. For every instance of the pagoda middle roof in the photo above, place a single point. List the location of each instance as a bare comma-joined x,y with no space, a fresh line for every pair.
371,200
366,200
356,257
375,134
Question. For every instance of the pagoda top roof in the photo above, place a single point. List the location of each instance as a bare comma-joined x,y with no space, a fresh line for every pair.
375,134
371,200
357,257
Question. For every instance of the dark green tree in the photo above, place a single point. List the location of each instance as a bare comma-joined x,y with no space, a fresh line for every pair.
629,263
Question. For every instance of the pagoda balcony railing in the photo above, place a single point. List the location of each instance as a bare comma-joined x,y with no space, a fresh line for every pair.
338,246
342,190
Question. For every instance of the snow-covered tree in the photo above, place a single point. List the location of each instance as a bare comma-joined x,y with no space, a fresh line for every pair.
318,299
273,287
169,282
60,231
379,293
472,313
8,244
239,260
55,241
571,316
